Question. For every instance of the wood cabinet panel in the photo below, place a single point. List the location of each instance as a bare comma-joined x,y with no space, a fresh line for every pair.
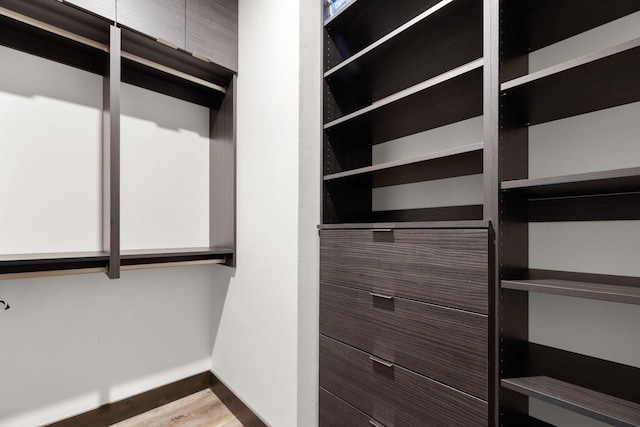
212,30
335,412
105,8
163,19
447,267
393,395
445,344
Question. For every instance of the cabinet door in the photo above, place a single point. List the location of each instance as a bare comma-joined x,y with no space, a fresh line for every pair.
212,30
106,8
160,19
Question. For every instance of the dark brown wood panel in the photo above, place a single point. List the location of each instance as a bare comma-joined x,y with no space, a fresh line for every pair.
222,174
26,263
600,291
159,19
393,395
212,30
105,8
608,207
451,33
447,267
462,214
335,412
445,344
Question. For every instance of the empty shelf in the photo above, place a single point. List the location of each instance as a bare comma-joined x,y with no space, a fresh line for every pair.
151,256
605,182
450,97
592,82
459,161
600,291
597,405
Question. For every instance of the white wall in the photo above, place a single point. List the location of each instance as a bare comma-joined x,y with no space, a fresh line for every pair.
70,344
596,141
268,322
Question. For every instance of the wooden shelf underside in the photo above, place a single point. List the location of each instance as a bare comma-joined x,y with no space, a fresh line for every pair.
597,405
599,291
605,182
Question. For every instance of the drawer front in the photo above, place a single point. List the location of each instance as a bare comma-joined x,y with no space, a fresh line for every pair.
394,396
447,267
448,345
335,412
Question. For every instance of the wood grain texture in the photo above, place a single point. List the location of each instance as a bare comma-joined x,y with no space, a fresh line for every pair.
394,395
335,412
445,344
201,409
164,19
450,31
212,30
222,173
600,406
447,267
104,8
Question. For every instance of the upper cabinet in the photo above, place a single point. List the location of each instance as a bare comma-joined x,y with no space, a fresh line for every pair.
160,19
106,8
212,31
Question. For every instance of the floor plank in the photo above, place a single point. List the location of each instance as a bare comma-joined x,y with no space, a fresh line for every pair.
202,409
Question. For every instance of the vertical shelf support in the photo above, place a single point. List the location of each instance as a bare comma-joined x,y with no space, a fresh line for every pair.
111,156
222,174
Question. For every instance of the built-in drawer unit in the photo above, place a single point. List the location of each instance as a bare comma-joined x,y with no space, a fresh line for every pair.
392,395
445,344
335,412
441,266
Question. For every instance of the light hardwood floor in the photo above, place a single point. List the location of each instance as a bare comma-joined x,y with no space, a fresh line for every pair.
202,409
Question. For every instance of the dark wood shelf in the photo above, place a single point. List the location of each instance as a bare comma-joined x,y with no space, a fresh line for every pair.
27,263
417,224
361,23
600,80
459,161
540,23
450,31
456,93
597,405
171,255
600,291
605,182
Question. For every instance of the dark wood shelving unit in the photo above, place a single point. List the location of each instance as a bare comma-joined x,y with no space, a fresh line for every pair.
72,36
450,31
597,405
466,160
615,181
600,291
600,389
592,82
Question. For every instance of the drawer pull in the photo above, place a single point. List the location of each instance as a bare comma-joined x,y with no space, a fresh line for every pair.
374,423
381,361
382,230
377,295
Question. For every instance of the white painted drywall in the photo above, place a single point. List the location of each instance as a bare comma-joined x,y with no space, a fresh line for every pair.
164,171
601,140
70,344
257,342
